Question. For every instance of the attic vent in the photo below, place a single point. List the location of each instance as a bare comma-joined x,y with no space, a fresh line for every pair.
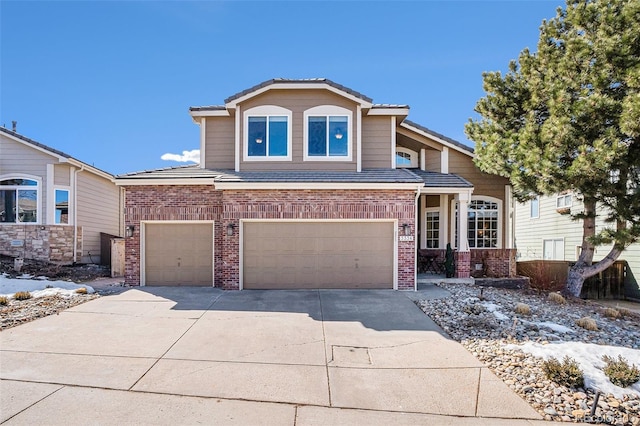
14,125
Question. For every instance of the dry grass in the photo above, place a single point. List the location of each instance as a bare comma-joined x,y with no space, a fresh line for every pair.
4,300
557,298
81,290
587,323
611,313
522,309
22,295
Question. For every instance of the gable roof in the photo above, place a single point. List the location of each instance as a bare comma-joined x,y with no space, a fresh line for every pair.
447,141
60,155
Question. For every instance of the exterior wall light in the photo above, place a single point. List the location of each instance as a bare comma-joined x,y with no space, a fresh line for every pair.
230,228
128,230
406,228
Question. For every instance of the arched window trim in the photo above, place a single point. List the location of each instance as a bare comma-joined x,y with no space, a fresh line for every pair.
454,223
37,188
328,111
413,157
266,111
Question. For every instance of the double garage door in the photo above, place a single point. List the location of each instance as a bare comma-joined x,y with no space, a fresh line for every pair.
308,255
276,254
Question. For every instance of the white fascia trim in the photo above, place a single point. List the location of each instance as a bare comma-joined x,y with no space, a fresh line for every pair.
51,203
359,139
389,111
37,148
150,181
211,113
393,142
446,190
301,86
237,139
444,160
203,140
313,185
91,169
437,139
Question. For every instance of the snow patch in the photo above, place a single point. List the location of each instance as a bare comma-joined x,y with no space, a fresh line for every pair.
494,309
589,358
38,287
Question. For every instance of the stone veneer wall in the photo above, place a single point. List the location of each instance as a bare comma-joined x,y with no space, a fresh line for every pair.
47,243
230,206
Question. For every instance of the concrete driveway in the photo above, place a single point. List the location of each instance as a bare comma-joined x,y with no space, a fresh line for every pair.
201,355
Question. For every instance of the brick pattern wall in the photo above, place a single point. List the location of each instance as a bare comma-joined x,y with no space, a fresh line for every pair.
47,243
230,206
496,263
463,264
168,203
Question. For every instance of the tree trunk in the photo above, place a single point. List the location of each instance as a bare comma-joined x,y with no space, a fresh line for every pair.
583,268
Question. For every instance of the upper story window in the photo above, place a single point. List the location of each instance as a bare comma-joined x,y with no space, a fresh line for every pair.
19,200
406,158
267,133
564,201
327,133
534,208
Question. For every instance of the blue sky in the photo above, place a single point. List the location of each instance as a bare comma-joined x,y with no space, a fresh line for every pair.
110,82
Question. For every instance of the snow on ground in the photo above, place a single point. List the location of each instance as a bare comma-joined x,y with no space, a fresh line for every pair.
38,287
589,357
493,308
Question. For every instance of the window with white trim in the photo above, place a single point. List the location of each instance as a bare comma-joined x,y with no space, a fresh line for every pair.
19,200
406,158
267,134
553,249
534,208
564,201
327,134
484,223
432,228
62,207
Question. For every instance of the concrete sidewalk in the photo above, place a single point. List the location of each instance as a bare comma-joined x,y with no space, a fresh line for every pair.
200,355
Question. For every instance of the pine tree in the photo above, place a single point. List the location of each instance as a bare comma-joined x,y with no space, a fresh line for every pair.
567,117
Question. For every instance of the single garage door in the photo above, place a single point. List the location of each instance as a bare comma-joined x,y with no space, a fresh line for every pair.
308,255
178,254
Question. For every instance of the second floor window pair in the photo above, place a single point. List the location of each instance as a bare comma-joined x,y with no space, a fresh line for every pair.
268,134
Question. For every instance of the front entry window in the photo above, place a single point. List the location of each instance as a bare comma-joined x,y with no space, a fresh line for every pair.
483,223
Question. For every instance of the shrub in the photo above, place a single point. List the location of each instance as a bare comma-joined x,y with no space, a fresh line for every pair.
557,298
587,323
522,309
620,372
22,295
628,313
81,290
565,373
611,313
4,300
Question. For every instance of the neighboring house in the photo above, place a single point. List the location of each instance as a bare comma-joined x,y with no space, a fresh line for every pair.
48,200
542,231
309,184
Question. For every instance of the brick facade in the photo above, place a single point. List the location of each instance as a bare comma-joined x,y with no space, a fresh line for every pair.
229,207
463,264
47,243
496,263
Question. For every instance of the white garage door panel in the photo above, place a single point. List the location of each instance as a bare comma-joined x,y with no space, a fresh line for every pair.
318,255
179,254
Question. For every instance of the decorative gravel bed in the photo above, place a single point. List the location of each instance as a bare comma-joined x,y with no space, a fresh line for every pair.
17,312
484,321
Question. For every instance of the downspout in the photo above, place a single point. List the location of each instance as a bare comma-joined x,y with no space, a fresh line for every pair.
416,242
75,212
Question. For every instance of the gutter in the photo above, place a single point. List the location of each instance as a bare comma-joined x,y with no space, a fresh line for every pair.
75,212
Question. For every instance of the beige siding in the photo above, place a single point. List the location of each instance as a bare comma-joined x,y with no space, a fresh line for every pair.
299,101
220,143
62,175
376,142
20,159
98,211
432,161
483,183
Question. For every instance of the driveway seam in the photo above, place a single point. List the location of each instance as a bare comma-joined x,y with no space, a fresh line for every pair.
326,356
176,341
38,401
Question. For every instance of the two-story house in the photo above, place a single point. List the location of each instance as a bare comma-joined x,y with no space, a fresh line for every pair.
309,184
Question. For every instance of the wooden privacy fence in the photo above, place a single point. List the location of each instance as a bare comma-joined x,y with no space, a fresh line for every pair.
552,275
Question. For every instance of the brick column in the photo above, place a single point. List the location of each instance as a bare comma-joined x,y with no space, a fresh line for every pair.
463,264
